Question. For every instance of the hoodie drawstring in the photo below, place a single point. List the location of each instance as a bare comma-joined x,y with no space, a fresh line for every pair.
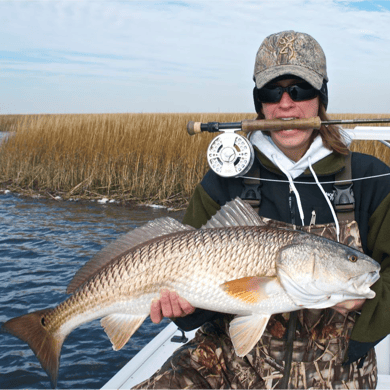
327,200
292,185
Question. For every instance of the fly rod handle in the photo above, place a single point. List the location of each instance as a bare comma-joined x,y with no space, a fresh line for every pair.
193,128
211,127
280,124
248,125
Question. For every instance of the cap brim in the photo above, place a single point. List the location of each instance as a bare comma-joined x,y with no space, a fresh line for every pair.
306,74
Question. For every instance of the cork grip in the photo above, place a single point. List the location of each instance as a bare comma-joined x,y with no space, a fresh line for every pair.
193,128
248,125
280,124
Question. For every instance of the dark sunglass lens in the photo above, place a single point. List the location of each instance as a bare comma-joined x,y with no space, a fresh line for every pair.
298,92
294,92
270,94
303,91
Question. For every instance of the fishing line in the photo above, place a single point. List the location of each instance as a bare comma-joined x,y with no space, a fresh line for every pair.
322,182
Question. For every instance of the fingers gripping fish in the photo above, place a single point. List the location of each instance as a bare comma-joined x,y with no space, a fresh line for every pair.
234,264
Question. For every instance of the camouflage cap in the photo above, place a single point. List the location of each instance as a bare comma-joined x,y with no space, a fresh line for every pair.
290,52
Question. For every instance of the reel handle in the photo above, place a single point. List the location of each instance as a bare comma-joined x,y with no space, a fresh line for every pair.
248,125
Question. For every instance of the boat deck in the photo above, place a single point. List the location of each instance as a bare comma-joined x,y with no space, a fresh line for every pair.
154,354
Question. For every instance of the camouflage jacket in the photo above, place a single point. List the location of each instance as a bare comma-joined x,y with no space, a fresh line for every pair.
372,213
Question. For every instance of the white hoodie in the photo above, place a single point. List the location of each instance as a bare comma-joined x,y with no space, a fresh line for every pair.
316,152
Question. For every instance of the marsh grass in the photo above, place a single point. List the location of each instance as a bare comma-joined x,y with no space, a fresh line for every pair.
128,157
9,122
140,157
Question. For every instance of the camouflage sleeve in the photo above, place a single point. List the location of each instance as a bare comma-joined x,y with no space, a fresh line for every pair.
374,322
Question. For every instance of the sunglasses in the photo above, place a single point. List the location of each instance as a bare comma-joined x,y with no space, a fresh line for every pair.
297,92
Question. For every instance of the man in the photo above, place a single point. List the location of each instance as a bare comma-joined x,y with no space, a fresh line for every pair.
330,348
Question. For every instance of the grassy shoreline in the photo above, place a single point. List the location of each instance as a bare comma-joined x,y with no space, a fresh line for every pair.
130,158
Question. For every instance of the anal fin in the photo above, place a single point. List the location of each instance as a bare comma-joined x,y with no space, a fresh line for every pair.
120,327
246,331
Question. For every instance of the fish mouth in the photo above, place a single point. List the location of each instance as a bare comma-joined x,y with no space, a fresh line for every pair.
362,283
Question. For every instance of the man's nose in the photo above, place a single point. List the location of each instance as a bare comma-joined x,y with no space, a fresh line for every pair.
286,100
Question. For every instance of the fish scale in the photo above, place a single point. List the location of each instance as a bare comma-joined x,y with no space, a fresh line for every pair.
249,270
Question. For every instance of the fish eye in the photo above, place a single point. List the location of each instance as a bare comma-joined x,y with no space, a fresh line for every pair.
352,258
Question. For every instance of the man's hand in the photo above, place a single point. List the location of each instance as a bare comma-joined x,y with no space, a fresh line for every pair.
170,304
350,305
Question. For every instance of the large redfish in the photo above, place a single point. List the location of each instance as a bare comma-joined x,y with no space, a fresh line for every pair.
234,264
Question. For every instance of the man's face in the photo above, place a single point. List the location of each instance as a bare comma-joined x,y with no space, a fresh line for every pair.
295,142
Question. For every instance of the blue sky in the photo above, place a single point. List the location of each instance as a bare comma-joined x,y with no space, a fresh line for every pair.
180,56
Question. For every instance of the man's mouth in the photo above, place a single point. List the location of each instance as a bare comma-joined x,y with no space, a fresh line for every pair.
287,119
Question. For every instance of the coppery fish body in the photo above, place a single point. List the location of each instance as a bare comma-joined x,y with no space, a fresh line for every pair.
251,271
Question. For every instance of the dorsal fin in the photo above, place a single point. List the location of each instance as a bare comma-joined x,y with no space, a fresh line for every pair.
156,228
234,213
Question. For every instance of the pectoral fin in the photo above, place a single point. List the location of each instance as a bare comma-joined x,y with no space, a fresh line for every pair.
252,289
120,327
245,332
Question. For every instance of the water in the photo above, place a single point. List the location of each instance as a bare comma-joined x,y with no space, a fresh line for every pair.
4,135
42,244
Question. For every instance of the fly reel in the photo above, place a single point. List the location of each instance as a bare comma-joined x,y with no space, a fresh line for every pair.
229,154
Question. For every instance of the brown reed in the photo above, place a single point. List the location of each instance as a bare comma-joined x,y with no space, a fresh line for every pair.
128,157
142,157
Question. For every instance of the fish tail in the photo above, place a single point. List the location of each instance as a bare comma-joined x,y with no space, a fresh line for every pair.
46,345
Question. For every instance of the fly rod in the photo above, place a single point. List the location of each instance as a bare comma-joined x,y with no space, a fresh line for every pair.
231,155
248,125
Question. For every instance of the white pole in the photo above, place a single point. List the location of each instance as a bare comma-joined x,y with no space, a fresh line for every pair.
378,133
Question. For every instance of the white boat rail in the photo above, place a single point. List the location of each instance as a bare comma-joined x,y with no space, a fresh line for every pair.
147,361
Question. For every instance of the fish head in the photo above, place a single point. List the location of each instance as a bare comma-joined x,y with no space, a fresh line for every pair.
318,273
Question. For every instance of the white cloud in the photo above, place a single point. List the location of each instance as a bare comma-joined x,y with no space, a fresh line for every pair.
190,55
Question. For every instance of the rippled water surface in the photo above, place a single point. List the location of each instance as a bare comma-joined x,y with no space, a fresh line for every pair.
42,244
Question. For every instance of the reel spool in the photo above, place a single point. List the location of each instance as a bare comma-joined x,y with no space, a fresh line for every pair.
229,154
